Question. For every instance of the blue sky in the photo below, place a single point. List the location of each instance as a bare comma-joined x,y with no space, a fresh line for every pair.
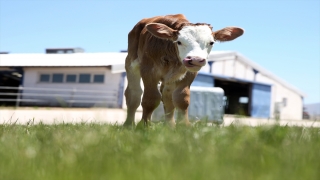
282,36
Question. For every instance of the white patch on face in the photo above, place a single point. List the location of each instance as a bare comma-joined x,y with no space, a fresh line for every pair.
195,41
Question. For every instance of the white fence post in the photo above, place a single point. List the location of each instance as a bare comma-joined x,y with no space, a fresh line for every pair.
74,90
18,96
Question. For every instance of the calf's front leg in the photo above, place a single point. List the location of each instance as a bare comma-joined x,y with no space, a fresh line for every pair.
181,101
181,98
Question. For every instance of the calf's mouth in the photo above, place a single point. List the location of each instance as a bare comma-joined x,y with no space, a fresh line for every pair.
194,63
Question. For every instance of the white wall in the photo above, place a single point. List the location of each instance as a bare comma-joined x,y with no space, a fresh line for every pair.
109,88
294,106
231,68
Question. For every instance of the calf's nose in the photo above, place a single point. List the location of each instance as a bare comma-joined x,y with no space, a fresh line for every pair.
195,60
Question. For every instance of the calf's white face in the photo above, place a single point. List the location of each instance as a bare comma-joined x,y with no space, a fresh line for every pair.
194,42
194,45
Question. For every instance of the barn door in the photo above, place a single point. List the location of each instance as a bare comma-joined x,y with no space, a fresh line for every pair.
260,100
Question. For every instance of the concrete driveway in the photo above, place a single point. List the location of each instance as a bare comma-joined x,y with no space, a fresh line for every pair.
112,116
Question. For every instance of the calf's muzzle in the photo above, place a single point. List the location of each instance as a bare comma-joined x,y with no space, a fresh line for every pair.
194,61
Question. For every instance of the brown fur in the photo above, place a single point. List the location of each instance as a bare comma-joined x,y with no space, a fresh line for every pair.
156,60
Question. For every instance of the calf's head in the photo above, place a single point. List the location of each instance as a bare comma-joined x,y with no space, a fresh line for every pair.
194,42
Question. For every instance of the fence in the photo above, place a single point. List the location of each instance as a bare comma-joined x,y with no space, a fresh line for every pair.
32,96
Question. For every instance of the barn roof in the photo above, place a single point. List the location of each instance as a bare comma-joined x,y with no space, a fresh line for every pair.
117,61
232,55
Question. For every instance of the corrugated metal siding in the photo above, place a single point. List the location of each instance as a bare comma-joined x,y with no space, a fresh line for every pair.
260,101
203,81
206,104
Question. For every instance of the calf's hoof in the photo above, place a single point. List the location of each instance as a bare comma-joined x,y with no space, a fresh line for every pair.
184,124
170,124
129,124
143,125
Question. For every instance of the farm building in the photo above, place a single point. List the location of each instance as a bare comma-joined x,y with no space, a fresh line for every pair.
64,79
69,77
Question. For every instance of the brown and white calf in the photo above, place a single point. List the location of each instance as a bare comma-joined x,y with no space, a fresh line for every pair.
171,50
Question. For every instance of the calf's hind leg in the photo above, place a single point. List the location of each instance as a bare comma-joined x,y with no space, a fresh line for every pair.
133,94
166,91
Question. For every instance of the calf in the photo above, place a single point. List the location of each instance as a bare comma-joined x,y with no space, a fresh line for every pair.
171,50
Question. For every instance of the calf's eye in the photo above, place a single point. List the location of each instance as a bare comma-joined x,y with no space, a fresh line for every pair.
211,43
178,42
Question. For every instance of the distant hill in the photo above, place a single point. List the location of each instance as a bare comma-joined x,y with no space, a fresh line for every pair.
313,110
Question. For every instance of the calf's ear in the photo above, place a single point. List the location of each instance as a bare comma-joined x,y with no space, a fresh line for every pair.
161,31
227,34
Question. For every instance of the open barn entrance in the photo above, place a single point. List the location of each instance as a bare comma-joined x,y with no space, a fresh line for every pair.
10,79
237,96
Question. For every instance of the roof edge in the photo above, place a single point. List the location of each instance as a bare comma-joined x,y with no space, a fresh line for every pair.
268,73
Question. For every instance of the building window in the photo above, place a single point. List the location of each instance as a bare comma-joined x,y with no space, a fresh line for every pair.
98,78
244,100
57,78
71,78
84,78
44,77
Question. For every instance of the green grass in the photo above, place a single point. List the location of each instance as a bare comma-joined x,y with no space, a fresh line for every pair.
94,152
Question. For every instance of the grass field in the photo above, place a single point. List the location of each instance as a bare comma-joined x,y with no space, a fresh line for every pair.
98,151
